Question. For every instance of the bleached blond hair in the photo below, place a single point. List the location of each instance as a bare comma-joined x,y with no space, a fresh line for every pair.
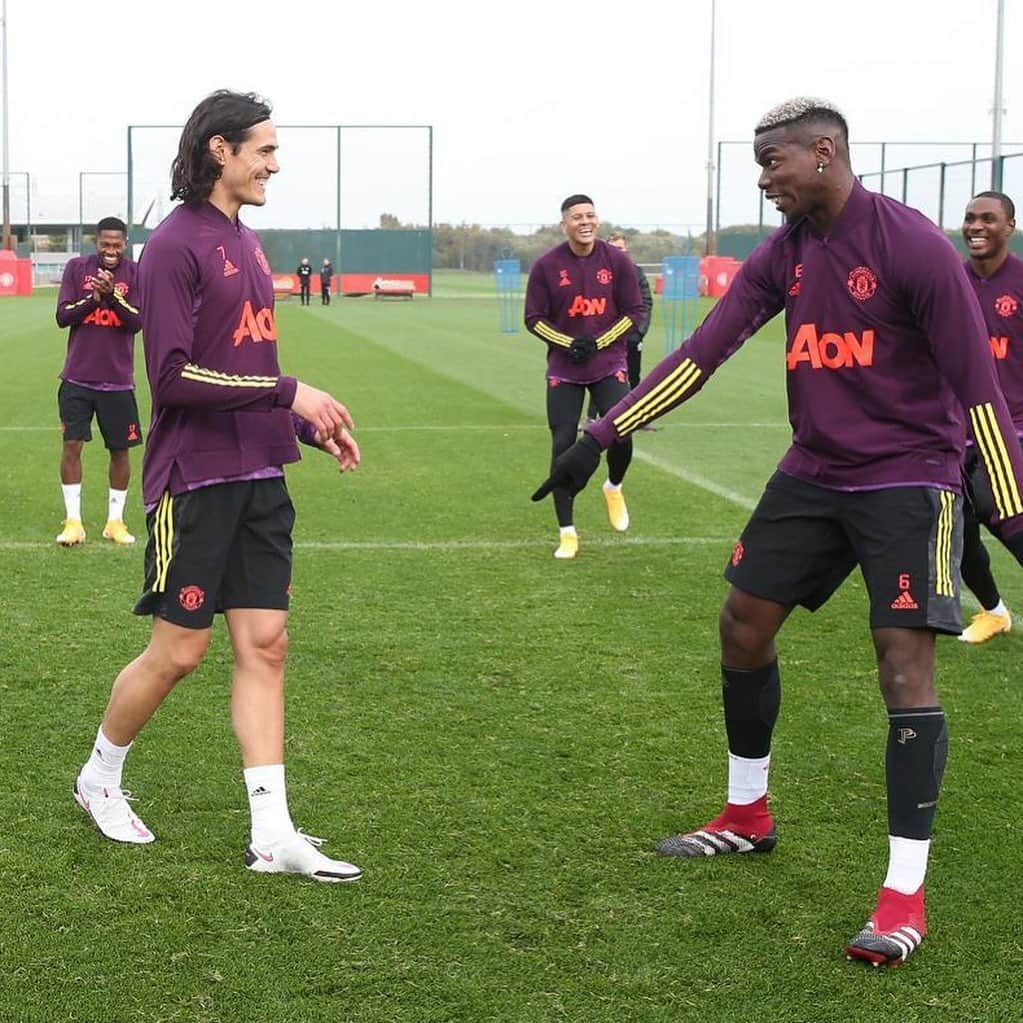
803,108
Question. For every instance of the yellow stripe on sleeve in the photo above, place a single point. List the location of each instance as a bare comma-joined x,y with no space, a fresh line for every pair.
614,332
120,298
992,448
212,376
668,392
548,333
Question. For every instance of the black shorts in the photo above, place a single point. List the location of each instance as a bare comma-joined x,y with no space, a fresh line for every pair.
565,399
217,548
116,412
803,540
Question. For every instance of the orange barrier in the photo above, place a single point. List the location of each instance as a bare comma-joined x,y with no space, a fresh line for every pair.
716,274
15,274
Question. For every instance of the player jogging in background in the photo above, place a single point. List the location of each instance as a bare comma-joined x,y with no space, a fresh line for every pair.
224,424
886,356
997,277
98,300
583,300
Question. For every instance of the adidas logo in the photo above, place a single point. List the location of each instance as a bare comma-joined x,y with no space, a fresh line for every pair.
229,268
905,602
261,791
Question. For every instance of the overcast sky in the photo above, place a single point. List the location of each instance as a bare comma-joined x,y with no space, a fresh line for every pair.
529,100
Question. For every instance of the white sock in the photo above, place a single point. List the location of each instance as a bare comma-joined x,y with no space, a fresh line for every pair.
608,485
268,804
115,505
567,531
72,500
103,768
998,609
747,778
907,863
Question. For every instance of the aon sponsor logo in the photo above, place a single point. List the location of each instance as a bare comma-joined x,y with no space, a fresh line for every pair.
999,346
830,350
587,306
255,325
104,318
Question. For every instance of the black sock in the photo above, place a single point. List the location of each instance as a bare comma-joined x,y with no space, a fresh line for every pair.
752,699
914,765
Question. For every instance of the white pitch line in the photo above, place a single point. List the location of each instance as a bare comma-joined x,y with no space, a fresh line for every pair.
416,546
696,480
480,427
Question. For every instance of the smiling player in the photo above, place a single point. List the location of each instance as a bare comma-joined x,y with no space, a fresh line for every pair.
583,300
220,519
98,300
886,355
997,277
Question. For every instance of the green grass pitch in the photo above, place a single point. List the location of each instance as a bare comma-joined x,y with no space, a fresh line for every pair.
497,738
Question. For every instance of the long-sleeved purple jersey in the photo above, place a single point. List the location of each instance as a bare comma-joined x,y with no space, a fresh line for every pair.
220,404
101,342
886,355
1001,303
597,296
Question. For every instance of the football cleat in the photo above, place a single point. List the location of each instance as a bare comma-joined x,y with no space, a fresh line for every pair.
111,813
568,546
72,534
986,625
737,829
617,513
300,854
117,531
895,930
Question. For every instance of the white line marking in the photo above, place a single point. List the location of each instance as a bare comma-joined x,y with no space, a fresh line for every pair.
419,545
480,427
695,479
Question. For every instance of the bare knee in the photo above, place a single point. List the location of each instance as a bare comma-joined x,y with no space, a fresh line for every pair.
173,657
265,650
905,667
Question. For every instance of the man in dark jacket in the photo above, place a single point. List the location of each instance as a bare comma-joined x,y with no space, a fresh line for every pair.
304,273
326,273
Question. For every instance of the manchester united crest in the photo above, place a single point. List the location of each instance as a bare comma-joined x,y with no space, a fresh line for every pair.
1006,305
862,283
263,264
191,598
604,276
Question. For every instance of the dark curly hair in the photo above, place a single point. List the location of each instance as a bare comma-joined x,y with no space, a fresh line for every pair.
230,114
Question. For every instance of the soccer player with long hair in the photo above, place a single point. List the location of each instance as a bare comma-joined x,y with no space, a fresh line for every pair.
225,423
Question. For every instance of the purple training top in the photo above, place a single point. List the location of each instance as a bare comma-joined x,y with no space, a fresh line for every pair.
597,296
886,349
220,404
101,343
1001,303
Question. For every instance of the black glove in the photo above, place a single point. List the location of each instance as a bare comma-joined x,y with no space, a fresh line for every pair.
582,350
572,468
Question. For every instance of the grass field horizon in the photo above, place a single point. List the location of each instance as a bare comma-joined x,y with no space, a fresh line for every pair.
497,738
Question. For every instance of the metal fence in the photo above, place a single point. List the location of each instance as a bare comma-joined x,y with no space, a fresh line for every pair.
940,188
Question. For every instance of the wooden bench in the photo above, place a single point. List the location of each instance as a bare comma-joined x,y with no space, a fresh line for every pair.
284,286
391,288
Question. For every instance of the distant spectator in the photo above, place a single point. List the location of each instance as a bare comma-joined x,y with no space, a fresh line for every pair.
305,276
326,273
